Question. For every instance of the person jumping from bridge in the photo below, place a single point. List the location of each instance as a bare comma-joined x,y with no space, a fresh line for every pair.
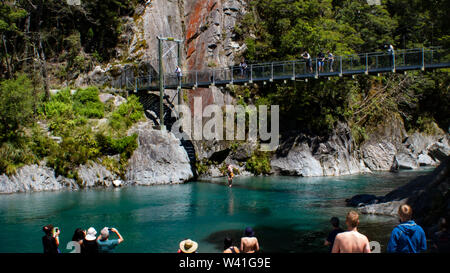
230,175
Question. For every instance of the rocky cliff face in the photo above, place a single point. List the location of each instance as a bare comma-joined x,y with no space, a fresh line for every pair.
302,155
210,32
388,148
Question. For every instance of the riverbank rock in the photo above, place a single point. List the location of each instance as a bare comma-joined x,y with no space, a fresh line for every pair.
159,158
93,175
362,199
428,195
34,178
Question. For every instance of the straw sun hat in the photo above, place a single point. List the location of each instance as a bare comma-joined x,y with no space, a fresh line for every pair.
188,246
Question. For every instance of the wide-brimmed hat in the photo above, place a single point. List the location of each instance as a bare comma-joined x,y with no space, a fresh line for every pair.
90,236
188,246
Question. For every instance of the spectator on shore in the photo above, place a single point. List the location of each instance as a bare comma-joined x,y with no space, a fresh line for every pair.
188,246
332,235
78,236
407,237
106,245
330,57
228,246
307,57
351,241
89,243
50,240
321,60
441,239
249,243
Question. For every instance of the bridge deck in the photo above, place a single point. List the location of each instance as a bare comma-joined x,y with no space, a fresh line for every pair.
366,63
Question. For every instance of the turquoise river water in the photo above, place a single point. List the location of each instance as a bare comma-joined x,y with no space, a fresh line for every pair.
289,214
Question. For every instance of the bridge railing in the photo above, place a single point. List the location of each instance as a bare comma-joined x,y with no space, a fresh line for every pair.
420,58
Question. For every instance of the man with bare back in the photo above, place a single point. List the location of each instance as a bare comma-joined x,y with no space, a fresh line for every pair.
249,243
351,241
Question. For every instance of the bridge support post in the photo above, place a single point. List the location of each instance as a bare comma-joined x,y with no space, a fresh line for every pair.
340,66
317,71
293,71
161,86
423,59
180,91
367,64
251,74
232,71
271,72
393,61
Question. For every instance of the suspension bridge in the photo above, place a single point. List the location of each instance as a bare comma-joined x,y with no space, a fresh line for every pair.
365,63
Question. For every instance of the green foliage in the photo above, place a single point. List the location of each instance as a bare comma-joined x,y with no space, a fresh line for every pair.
111,146
201,167
14,155
127,114
87,103
16,106
258,163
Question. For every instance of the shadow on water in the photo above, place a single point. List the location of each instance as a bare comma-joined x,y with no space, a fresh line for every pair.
290,239
285,239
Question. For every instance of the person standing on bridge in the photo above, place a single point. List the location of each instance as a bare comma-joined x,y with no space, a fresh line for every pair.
307,57
243,68
179,74
391,54
321,60
330,57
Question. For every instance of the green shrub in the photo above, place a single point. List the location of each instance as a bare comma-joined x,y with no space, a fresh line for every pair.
16,106
87,103
258,163
111,146
127,114
14,155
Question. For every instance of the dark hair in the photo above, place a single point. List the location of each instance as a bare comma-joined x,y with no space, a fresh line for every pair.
249,232
334,221
78,235
227,242
48,229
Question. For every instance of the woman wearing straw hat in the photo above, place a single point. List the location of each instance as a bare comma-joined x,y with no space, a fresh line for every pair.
188,246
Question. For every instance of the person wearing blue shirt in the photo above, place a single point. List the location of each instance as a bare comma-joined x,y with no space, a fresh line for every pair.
104,244
408,237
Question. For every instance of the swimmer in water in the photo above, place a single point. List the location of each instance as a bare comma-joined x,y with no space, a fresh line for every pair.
230,175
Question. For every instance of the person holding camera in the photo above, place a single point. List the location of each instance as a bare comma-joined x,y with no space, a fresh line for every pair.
104,244
50,240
